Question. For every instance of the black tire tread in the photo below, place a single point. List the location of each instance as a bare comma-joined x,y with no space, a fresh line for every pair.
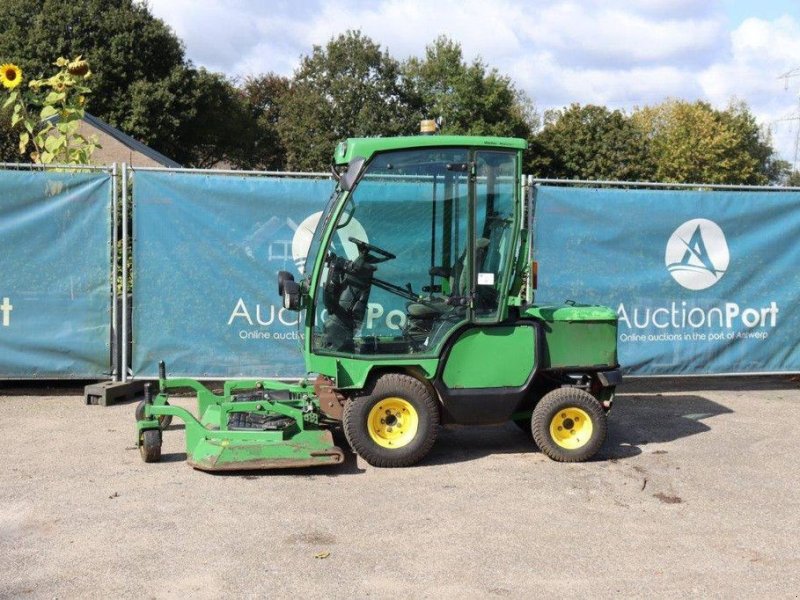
392,384
556,400
150,449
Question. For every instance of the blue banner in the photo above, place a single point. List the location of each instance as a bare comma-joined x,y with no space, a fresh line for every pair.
704,282
55,232
207,250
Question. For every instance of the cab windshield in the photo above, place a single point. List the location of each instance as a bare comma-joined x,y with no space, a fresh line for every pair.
408,262
316,237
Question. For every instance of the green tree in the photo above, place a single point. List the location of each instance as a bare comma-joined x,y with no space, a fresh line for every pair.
264,97
349,88
691,142
471,98
140,73
792,178
193,116
590,142
754,141
9,140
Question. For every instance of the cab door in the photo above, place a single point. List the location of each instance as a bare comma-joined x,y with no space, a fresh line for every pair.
487,367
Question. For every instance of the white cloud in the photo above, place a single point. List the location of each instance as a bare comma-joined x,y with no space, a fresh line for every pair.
760,51
608,35
621,53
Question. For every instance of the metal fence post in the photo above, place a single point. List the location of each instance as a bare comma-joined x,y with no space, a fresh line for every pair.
115,362
125,274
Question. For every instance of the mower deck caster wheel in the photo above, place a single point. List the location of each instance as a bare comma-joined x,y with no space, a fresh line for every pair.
163,420
150,447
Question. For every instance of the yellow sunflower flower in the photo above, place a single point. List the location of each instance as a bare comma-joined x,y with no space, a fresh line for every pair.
10,75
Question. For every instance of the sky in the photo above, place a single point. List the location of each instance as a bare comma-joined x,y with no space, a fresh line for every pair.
618,53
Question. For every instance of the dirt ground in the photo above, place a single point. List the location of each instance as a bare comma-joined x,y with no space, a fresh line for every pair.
695,493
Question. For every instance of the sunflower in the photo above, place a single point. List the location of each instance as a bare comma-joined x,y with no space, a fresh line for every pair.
10,75
78,67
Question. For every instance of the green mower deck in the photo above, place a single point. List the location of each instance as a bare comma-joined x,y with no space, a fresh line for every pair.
252,425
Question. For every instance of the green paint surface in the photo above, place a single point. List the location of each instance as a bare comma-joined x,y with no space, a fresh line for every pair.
577,336
491,357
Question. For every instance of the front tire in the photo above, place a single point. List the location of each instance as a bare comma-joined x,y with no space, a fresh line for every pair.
569,425
394,423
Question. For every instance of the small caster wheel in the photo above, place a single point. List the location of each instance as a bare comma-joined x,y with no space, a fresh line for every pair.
150,446
163,420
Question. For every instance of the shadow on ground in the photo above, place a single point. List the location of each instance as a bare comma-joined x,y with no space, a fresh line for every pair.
739,383
635,421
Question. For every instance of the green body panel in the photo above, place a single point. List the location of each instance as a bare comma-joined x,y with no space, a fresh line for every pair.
351,372
366,147
491,357
577,336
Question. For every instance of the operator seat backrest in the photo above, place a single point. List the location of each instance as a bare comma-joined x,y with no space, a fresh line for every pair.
460,275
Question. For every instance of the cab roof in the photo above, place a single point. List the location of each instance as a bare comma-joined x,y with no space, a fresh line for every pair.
366,147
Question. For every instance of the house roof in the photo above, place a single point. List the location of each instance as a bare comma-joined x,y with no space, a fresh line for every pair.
131,143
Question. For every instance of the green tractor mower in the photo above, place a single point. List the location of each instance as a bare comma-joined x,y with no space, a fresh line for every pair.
414,293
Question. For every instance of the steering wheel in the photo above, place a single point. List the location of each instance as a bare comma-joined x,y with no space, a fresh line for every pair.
365,248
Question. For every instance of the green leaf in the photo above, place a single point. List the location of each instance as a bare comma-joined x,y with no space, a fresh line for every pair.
11,98
48,112
24,138
16,118
28,125
54,97
46,158
54,142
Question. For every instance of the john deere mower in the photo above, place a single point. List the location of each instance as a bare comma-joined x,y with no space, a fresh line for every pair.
415,318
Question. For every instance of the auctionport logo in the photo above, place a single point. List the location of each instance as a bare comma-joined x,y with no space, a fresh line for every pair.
301,242
697,254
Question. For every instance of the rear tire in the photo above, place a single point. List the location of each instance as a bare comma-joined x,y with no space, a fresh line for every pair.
569,425
394,423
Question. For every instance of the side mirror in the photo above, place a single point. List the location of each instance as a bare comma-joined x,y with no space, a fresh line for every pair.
291,295
283,277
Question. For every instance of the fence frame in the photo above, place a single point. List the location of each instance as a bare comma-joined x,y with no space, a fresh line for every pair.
111,170
536,182
122,206
128,174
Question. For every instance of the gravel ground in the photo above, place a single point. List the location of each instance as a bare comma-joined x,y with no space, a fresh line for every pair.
696,492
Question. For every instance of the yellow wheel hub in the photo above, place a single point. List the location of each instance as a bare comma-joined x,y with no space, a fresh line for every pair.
571,428
392,423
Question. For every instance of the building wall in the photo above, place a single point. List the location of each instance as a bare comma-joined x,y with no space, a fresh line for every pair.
113,150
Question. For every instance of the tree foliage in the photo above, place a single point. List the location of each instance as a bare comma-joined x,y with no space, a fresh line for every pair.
470,97
350,87
143,83
591,142
693,142
265,97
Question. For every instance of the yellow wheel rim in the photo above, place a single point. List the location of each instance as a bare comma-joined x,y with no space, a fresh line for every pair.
571,428
392,423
